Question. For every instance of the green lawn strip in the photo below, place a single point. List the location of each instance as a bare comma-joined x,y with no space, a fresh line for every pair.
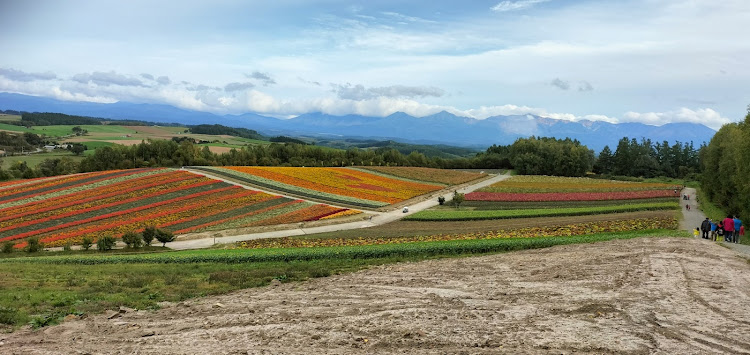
511,205
230,215
14,128
290,189
473,215
33,160
79,284
395,177
118,208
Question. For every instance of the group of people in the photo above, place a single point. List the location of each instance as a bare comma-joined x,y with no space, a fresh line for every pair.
731,229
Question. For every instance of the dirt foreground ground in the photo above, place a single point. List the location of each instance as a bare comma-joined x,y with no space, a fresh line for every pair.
639,296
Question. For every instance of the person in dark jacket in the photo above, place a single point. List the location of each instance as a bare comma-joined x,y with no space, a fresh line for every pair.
705,228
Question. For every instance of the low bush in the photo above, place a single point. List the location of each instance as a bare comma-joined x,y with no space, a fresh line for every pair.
106,242
132,240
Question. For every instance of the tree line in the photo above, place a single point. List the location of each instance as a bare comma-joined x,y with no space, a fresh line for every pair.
543,156
725,163
648,159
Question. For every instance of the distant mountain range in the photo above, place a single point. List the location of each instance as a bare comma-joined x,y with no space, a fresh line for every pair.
440,128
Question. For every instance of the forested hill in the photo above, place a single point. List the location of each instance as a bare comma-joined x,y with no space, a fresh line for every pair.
217,129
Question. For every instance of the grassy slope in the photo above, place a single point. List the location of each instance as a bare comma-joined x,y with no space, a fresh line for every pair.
34,159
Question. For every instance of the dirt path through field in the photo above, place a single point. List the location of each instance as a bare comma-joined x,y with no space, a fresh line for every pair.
638,296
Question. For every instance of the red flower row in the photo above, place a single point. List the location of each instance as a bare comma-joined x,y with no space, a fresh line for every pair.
567,196
156,213
65,188
118,189
100,207
118,213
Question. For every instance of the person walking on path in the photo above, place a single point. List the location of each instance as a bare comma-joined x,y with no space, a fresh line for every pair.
737,226
705,228
728,229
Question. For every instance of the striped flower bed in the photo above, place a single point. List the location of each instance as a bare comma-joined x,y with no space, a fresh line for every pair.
333,185
64,210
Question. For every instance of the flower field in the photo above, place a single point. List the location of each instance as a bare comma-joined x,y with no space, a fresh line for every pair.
66,209
536,184
546,188
567,196
520,233
475,215
440,176
333,185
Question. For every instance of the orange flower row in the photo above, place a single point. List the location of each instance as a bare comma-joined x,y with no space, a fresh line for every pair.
343,182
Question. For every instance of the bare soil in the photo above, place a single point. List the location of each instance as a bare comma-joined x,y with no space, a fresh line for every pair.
638,296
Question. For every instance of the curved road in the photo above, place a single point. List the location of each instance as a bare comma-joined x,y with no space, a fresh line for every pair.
378,219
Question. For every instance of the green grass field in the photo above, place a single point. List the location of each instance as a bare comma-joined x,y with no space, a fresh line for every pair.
32,160
66,130
4,117
42,290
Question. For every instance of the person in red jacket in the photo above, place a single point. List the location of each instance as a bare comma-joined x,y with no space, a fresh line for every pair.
728,229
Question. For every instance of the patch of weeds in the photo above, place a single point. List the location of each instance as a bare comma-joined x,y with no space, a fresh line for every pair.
43,321
9,315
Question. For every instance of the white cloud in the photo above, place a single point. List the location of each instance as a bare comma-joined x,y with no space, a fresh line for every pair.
705,116
106,79
506,6
18,75
560,84
359,92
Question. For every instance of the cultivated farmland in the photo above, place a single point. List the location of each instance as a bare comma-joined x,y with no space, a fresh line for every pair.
545,196
352,187
65,209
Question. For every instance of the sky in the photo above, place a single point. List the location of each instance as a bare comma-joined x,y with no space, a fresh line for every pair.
648,61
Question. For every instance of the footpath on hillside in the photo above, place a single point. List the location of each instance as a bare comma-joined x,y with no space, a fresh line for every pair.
377,219
693,217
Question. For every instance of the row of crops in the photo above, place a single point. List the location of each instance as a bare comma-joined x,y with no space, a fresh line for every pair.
449,247
64,210
360,187
468,215
547,196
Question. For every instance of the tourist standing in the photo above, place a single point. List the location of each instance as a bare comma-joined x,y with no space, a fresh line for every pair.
728,229
737,227
705,228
